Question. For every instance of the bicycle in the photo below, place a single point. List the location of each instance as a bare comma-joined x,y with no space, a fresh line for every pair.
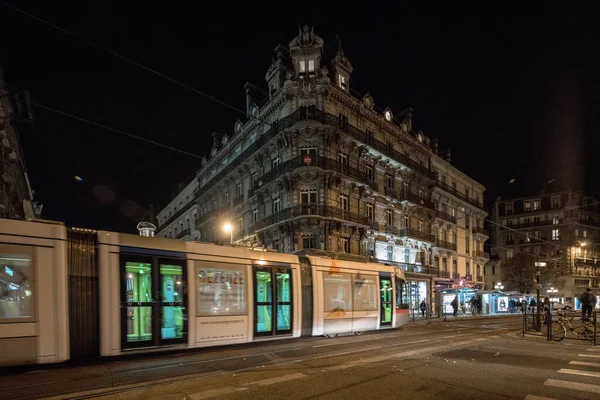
559,328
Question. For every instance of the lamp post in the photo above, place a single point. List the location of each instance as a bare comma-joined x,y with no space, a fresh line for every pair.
227,228
538,287
499,286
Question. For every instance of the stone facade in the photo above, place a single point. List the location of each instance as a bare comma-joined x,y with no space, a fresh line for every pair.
315,169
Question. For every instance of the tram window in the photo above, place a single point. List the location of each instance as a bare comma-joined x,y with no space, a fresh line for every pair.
221,290
337,293
16,286
365,293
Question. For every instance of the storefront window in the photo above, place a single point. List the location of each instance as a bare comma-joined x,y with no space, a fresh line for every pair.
221,290
16,286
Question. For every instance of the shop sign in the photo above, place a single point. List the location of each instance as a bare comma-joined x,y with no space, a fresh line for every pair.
8,271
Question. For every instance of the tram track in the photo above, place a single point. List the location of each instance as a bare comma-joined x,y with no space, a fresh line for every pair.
114,381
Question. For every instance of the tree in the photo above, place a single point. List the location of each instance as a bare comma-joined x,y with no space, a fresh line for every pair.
519,273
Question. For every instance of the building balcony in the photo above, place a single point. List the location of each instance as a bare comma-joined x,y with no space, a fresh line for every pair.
183,233
215,213
509,242
461,196
531,224
414,198
444,274
482,254
445,245
481,231
392,229
479,278
456,276
312,210
587,261
374,225
417,234
446,217
532,240
323,163
332,254
238,200
412,268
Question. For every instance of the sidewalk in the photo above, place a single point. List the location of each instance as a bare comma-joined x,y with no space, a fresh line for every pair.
449,318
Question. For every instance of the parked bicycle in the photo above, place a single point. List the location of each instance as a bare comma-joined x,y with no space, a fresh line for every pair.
560,327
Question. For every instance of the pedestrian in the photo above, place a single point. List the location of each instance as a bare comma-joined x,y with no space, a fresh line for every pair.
423,308
588,302
454,305
532,304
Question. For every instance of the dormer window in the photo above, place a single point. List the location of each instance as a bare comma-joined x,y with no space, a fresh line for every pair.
342,82
307,68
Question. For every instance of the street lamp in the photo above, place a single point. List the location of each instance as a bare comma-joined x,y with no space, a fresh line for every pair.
228,228
538,287
552,290
499,286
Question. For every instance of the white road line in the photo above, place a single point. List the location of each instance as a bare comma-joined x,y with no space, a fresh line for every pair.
402,354
582,387
578,372
593,349
532,397
214,392
588,355
272,381
585,363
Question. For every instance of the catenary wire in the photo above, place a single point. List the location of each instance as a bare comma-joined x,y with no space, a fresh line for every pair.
186,86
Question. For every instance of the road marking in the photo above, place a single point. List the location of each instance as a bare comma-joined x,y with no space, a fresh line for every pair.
582,387
589,355
578,372
532,397
402,354
593,349
585,363
347,352
214,392
271,381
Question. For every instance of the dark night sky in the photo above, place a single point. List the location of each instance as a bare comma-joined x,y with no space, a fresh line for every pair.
514,96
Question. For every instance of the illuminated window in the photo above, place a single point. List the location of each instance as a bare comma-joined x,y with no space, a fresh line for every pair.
555,234
311,65
536,204
308,196
342,82
527,206
509,254
555,220
344,204
369,211
302,66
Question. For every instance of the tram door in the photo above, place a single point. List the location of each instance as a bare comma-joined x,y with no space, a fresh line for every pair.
387,299
153,297
272,301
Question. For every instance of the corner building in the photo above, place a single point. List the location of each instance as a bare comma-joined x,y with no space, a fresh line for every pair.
316,170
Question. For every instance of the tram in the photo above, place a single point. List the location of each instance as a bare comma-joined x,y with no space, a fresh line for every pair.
70,293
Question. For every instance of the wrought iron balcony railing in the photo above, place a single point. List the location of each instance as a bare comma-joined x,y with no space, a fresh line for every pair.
445,245
482,254
312,209
445,216
183,233
481,231
417,234
462,196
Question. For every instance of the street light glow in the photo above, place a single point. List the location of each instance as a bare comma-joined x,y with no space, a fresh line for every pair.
227,227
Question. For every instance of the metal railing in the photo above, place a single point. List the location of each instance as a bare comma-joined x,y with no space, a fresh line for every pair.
311,209
417,234
481,231
482,254
302,114
314,161
531,224
445,216
458,194
183,233
404,195
445,245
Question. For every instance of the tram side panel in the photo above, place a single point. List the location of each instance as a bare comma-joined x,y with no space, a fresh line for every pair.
348,296
33,293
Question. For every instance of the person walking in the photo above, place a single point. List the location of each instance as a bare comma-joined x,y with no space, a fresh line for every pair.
423,308
588,302
454,305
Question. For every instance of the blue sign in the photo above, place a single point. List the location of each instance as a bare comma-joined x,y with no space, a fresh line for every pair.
8,271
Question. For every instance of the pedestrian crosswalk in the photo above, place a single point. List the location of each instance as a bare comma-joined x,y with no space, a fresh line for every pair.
575,381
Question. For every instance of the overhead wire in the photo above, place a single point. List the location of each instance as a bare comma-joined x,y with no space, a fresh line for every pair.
186,86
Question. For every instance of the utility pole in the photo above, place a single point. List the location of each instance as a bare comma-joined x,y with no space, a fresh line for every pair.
538,287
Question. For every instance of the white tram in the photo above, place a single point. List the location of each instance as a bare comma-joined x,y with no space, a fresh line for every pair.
76,293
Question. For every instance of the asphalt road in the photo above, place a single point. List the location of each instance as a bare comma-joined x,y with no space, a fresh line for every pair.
460,359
